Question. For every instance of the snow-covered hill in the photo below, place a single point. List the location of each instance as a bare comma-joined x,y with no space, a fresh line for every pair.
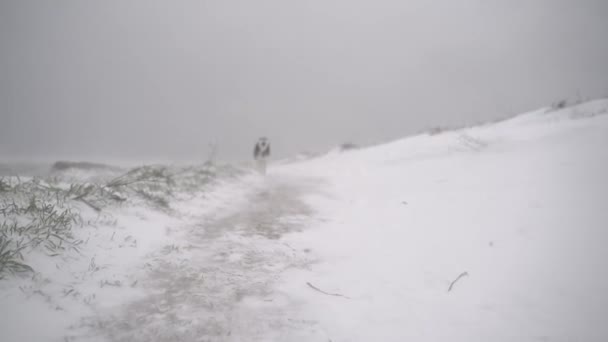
491,233
521,206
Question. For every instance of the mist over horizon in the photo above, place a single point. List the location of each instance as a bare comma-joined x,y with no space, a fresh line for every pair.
156,81
317,170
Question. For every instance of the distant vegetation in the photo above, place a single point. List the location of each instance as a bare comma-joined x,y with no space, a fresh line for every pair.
66,165
348,146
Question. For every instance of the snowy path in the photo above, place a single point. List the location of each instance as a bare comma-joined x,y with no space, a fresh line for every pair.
363,245
519,206
216,283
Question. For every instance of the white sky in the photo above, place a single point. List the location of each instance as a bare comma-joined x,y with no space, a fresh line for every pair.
162,79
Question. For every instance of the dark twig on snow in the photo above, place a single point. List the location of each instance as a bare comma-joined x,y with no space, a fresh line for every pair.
463,274
326,293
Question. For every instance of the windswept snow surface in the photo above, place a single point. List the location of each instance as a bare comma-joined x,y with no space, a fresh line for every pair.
359,245
520,205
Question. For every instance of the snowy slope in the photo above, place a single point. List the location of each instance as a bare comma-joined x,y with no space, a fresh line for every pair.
358,245
520,205
68,295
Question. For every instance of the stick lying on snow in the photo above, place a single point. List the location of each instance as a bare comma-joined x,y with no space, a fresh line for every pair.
463,274
326,293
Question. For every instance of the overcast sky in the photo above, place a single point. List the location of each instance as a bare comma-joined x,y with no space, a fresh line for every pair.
162,79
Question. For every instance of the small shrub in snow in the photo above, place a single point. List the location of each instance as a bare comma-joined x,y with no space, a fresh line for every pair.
348,146
435,130
561,104
34,218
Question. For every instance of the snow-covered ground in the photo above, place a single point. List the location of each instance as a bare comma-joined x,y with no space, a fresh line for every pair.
490,233
521,206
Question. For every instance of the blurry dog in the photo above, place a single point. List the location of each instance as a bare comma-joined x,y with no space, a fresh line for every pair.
260,153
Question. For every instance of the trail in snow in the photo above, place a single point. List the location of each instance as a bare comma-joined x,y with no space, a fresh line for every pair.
363,245
216,283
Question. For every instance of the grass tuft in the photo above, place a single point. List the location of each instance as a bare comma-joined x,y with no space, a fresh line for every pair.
42,214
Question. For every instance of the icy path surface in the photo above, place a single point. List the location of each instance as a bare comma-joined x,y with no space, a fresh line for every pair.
215,282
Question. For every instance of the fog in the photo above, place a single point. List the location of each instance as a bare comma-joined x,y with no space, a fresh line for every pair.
161,80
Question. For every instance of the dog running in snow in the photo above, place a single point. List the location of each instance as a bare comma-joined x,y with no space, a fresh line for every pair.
260,153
